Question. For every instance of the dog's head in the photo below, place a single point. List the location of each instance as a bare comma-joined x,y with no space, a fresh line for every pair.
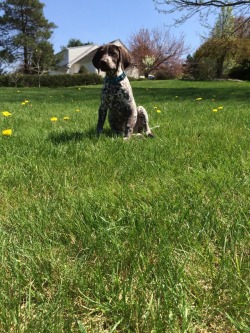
111,57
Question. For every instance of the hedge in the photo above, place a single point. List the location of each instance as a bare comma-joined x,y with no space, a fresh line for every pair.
64,80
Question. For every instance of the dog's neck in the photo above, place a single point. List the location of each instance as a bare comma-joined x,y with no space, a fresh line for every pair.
115,76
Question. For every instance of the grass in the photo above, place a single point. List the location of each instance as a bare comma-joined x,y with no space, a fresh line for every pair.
102,235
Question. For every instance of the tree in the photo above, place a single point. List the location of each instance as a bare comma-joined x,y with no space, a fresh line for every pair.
220,45
224,25
23,27
42,60
202,7
74,42
151,49
242,27
225,48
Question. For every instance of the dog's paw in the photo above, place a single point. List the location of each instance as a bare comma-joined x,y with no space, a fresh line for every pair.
150,135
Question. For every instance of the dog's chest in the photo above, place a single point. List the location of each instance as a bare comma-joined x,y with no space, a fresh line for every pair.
117,94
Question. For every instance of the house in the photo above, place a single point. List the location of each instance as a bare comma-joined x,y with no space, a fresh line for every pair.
74,58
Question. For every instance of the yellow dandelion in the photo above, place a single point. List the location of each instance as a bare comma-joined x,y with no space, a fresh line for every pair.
198,99
23,103
77,110
215,110
7,132
158,111
26,101
53,119
65,118
6,114
220,107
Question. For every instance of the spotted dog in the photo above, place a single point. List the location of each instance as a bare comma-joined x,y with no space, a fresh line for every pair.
117,97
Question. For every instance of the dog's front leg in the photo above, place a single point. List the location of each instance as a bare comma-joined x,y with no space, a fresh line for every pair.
131,121
102,113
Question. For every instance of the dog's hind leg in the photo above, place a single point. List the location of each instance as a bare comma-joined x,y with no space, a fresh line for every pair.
142,124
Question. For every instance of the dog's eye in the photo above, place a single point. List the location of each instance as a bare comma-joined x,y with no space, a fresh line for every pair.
113,53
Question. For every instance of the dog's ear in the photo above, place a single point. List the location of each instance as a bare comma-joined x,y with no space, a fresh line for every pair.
96,58
124,57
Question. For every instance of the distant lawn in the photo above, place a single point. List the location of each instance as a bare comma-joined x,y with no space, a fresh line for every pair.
102,235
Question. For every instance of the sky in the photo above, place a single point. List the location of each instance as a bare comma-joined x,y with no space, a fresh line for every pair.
102,21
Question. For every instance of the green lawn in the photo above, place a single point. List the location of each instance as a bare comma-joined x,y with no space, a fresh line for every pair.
107,235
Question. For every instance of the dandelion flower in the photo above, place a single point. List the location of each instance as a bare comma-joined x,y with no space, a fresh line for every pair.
65,118
53,119
215,110
23,103
77,110
7,132
26,101
6,114
198,99
220,107
158,111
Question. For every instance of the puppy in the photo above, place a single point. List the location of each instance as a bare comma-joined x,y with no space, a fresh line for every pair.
117,97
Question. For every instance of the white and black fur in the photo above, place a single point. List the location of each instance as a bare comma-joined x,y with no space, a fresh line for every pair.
117,97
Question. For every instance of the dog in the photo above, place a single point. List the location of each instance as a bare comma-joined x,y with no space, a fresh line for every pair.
117,97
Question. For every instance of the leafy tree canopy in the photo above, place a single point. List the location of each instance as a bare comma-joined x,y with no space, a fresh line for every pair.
23,28
73,42
227,47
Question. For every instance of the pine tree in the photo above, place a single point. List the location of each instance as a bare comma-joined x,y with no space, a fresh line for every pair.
23,28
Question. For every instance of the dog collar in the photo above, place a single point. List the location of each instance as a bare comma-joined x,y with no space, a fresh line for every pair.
115,79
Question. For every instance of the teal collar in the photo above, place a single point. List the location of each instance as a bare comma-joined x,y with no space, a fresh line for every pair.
116,79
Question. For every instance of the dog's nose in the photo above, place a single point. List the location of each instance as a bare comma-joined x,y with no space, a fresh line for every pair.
103,64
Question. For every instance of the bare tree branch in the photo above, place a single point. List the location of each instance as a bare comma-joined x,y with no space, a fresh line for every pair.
200,3
202,7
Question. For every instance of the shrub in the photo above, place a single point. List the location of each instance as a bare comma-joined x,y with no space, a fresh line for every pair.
63,80
241,72
164,75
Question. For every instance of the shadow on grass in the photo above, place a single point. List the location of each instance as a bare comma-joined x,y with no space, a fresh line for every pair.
68,136
187,93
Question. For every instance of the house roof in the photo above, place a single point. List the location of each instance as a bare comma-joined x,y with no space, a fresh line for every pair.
74,54
77,53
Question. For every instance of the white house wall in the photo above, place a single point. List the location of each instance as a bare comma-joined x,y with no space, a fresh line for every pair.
74,69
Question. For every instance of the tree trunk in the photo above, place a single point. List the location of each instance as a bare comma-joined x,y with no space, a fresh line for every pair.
26,62
219,69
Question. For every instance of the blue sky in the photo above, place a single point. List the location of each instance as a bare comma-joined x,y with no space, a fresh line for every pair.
100,21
